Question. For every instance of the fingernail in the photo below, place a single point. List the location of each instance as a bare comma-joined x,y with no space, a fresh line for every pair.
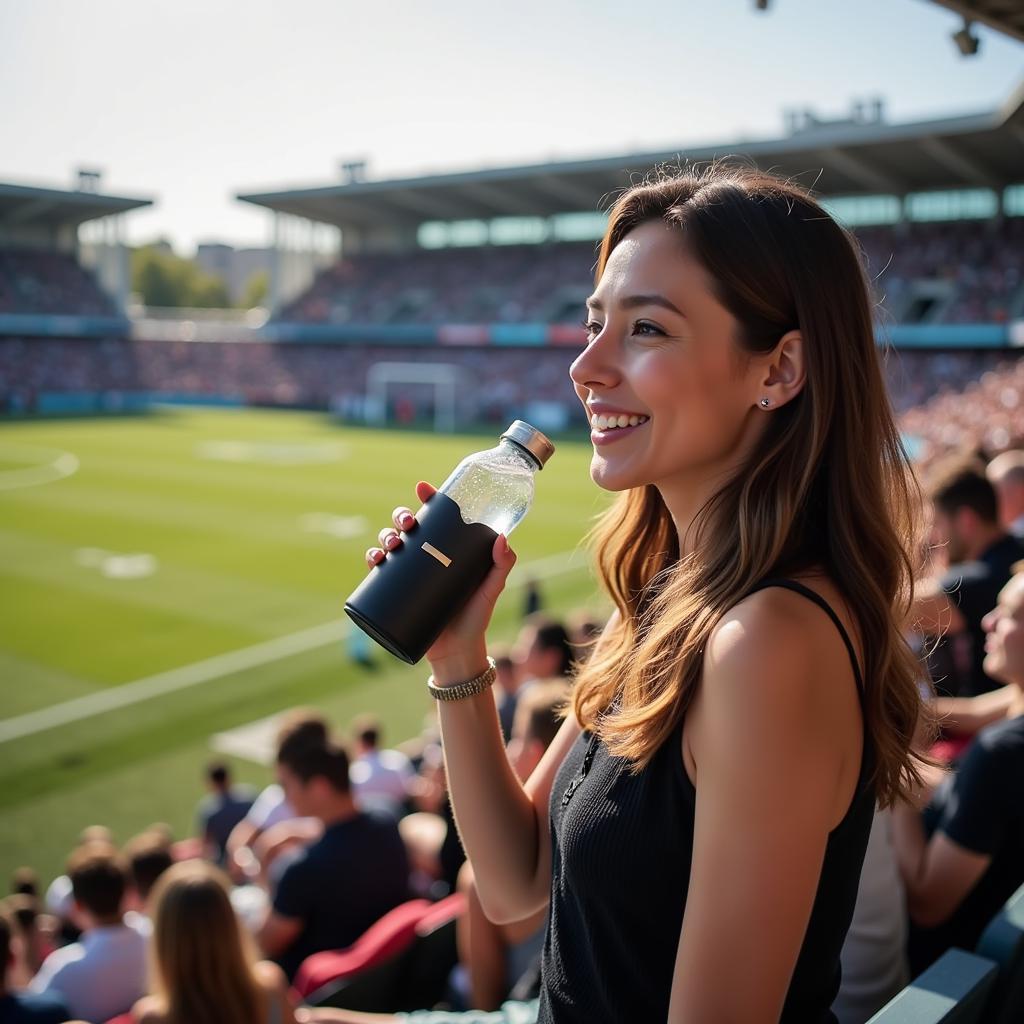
407,521
391,540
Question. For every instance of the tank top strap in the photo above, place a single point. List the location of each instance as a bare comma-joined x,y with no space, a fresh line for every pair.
812,595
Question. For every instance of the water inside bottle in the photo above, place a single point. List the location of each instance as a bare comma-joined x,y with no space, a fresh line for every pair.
494,488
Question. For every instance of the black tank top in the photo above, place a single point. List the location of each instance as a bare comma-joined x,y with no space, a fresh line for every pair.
622,846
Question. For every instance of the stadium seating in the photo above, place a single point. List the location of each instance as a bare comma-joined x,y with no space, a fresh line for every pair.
953,990
950,273
401,962
368,969
48,282
1003,942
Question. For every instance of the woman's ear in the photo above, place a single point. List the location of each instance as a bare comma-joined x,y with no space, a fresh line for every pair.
785,372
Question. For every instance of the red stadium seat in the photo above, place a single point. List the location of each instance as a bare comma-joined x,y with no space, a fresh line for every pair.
382,941
433,954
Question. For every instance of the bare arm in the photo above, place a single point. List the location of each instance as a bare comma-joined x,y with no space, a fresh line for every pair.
503,825
769,755
937,873
970,714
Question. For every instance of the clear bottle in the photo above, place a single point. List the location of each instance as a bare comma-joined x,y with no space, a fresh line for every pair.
417,589
495,487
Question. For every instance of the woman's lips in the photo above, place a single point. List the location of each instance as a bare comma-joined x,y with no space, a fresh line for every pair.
610,436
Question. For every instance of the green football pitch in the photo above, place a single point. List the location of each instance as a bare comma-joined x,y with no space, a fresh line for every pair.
168,577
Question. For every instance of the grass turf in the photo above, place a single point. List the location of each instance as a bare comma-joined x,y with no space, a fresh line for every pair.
257,522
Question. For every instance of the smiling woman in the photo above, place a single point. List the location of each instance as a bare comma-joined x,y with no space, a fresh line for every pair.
708,801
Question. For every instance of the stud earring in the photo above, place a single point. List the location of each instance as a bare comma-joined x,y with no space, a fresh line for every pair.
765,403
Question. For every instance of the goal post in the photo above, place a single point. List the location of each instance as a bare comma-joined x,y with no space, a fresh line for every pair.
444,378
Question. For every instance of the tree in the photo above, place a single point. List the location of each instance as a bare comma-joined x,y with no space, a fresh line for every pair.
256,289
163,279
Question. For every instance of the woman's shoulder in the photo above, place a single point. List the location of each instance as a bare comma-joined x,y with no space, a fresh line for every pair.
773,647
795,616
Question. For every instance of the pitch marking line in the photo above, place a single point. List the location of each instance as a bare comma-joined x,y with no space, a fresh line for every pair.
222,665
61,464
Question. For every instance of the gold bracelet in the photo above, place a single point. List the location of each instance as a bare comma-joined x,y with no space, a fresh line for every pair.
470,688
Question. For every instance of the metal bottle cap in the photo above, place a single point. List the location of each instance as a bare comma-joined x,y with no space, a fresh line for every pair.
531,439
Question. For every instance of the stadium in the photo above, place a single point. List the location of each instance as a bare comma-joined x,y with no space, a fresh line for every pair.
186,496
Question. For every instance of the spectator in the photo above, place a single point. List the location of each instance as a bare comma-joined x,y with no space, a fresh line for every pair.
979,555
340,884
219,812
1006,474
23,1007
25,882
204,970
103,974
59,900
506,686
964,856
149,856
533,600
584,629
271,807
542,650
35,935
380,778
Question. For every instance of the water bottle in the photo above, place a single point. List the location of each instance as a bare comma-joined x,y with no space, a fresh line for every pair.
416,590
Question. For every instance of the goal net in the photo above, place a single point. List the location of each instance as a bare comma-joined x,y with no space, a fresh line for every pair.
404,391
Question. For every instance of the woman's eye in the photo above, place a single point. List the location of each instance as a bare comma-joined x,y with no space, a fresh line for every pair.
590,326
643,325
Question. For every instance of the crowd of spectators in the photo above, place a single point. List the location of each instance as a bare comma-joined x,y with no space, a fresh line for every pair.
49,282
165,931
938,272
983,413
948,399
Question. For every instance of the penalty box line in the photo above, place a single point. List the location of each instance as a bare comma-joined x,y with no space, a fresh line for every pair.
223,665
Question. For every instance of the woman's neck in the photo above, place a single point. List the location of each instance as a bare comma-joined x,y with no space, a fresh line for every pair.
684,503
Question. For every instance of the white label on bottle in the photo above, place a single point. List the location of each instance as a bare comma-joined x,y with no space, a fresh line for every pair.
439,555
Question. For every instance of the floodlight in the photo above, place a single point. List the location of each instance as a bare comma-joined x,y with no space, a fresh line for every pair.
966,41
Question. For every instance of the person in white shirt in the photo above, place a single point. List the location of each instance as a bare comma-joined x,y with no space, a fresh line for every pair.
380,779
104,973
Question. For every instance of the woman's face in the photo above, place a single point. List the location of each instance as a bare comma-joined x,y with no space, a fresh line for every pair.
661,349
1004,640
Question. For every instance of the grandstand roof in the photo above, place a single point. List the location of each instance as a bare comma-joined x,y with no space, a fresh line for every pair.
27,206
1005,16
846,157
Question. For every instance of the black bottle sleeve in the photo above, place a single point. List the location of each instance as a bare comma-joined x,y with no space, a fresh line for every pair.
407,599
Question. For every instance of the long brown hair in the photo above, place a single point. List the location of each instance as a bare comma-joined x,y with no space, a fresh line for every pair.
828,484
201,959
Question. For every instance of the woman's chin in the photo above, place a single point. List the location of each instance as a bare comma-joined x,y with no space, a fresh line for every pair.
612,479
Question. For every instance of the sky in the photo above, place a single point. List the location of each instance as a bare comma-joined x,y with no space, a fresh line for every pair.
192,101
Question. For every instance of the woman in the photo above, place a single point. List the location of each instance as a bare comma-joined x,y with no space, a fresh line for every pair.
709,799
203,968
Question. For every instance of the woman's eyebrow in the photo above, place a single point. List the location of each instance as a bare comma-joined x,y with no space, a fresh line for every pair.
632,301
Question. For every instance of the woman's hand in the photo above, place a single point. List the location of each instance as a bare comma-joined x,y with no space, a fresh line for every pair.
461,648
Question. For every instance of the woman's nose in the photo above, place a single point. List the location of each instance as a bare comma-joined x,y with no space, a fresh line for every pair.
593,366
